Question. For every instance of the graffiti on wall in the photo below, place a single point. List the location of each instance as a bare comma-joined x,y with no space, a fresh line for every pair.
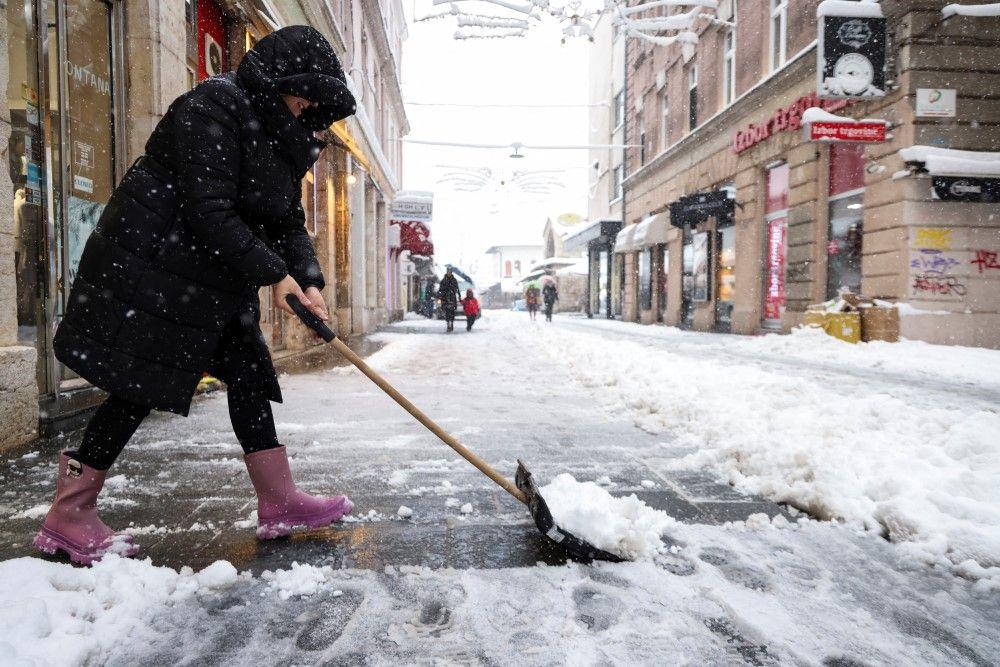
935,270
984,260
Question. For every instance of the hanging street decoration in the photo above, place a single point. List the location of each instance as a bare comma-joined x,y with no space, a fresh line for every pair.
530,182
648,21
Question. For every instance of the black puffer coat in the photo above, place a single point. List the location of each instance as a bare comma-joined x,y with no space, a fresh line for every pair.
167,283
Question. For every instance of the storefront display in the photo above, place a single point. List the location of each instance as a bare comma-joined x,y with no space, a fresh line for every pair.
846,215
663,270
725,278
700,267
645,260
776,244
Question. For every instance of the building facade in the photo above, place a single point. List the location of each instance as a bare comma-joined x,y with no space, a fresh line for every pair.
87,80
736,221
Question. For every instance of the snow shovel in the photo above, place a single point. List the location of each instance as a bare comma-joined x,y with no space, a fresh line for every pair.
524,490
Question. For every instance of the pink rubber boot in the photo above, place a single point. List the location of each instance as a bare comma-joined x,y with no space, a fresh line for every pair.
72,524
280,505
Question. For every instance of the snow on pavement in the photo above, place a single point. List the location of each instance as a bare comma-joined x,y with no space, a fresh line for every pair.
919,464
807,593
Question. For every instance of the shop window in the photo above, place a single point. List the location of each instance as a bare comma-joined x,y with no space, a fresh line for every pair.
846,215
644,259
663,270
776,226
687,279
779,32
725,277
692,97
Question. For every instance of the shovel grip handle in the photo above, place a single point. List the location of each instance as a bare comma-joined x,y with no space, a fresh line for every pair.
309,318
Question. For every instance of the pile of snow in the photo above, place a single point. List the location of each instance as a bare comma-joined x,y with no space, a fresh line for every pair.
301,580
808,420
625,526
52,613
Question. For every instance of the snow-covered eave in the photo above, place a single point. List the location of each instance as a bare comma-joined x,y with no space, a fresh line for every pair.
952,162
849,8
818,115
971,10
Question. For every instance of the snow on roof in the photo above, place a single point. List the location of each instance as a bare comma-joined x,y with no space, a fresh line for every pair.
952,162
818,115
849,8
580,268
971,10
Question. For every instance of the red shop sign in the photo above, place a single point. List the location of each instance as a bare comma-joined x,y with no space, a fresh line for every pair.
859,132
774,289
784,118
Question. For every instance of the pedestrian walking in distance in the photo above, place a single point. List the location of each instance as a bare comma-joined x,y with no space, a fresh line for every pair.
550,294
470,306
167,285
531,300
448,293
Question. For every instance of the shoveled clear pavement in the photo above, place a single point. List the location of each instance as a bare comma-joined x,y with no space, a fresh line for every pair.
467,578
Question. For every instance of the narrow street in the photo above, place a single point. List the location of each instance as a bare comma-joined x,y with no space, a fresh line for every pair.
467,578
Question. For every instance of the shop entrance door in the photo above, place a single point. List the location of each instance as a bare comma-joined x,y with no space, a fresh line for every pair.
725,272
63,154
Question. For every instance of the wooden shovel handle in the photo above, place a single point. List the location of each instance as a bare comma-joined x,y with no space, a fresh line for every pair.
446,437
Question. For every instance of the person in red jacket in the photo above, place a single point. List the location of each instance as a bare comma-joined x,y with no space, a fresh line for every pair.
471,307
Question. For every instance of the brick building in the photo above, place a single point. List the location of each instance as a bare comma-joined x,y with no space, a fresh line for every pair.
734,221
86,82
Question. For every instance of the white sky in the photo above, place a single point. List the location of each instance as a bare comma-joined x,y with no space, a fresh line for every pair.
536,69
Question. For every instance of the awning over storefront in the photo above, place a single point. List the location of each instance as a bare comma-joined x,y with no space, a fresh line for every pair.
692,209
415,237
602,231
625,240
652,231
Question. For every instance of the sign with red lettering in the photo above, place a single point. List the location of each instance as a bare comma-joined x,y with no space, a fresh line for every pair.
857,132
785,118
774,289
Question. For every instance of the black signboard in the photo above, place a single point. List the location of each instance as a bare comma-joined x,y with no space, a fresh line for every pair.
692,209
851,57
966,188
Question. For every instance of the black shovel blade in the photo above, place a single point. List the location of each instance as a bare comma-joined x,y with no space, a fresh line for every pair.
576,548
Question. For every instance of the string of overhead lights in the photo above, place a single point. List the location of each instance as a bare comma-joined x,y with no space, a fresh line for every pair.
579,21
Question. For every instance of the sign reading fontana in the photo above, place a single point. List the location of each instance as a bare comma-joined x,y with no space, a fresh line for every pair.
848,130
784,118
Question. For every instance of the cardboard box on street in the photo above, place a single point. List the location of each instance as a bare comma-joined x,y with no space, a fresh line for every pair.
880,323
845,326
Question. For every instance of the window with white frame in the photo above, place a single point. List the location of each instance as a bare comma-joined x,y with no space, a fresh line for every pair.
692,97
664,120
779,32
619,104
640,123
729,61
618,175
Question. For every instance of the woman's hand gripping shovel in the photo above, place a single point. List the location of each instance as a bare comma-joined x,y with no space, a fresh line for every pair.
525,490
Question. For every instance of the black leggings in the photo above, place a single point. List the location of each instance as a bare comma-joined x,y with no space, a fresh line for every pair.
114,423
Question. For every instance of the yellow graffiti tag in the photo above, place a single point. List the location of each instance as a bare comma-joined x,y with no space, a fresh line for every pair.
938,238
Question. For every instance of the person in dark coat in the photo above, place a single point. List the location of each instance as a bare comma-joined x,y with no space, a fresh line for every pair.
449,294
550,294
167,284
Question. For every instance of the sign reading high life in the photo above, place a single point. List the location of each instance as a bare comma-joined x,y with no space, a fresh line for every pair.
850,50
847,130
413,206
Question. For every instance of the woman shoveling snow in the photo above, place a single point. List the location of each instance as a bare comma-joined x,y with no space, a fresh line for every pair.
167,284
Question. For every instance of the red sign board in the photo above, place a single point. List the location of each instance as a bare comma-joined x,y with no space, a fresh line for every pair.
847,130
415,237
784,118
774,289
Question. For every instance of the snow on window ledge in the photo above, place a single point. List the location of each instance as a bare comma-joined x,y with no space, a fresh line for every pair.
951,162
971,10
849,8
